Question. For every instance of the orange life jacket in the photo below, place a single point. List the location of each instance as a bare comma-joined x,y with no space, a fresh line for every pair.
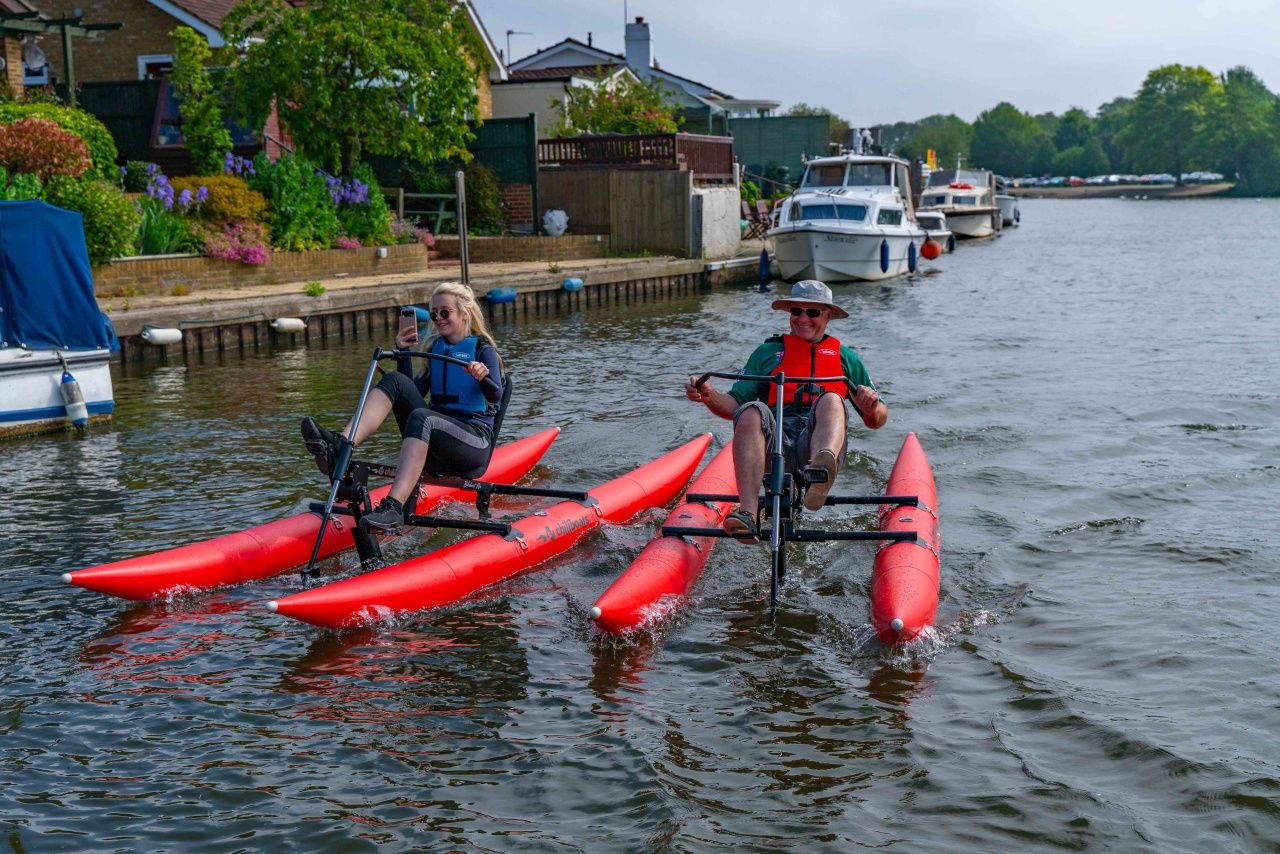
802,359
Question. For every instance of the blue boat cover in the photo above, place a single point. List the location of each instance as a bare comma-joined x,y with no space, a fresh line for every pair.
46,285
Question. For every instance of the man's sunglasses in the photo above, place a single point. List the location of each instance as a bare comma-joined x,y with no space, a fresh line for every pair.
443,313
796,312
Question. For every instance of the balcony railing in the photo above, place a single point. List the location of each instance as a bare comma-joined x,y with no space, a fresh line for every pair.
709,158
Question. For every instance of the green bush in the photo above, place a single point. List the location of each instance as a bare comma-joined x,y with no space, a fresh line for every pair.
229,199
302,213
20,186
111,221
485,213
102,148
162,232
749,191
136,175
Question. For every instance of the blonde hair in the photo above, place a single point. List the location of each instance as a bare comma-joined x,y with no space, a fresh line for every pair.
474,322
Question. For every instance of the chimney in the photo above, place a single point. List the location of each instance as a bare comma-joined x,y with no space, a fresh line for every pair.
639,48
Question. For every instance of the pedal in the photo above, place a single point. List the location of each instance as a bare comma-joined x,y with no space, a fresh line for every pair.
814,474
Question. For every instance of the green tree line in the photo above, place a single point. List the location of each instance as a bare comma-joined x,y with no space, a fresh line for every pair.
1182,119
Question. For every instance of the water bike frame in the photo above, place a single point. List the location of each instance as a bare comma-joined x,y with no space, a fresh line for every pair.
783,490
349,478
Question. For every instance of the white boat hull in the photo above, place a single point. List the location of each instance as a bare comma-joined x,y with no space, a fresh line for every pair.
972,226
1009,213
828,256
31,394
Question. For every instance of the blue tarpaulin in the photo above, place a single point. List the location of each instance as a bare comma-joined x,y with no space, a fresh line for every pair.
46,284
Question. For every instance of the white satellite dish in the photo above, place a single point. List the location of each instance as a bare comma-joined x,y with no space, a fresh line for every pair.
33,57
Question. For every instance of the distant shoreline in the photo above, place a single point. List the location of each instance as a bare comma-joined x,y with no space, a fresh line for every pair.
1115,191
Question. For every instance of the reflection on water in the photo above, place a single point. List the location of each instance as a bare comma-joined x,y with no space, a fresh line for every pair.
1106,473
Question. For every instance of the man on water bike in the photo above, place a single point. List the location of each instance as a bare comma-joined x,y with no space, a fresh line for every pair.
814,420
453,434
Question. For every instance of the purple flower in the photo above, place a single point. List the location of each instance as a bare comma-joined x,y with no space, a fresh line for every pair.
185,198
201,195
152,169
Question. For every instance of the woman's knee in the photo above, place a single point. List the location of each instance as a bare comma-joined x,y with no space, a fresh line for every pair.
418,425
394,385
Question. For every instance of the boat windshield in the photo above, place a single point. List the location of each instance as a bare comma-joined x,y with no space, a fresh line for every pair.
889,216
828,175
869,175
934,200
966,200
847,213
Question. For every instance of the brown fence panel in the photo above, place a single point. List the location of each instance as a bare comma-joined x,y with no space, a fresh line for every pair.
581,193
650,211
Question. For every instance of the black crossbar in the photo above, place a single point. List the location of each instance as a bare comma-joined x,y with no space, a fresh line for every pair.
897,500
502,528
338,509
814,536
710,496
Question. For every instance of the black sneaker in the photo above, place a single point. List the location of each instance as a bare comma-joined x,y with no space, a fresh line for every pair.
388,516
322,443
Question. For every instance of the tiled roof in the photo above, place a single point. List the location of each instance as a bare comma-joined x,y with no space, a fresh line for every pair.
563,71
210,11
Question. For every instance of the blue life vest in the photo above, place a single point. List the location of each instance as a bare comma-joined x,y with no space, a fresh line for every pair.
452,388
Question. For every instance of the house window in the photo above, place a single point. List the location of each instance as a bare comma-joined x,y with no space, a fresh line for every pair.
153,65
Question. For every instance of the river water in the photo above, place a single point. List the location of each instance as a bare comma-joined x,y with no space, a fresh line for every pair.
1099,393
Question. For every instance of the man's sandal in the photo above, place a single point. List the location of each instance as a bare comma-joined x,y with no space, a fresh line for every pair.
741,526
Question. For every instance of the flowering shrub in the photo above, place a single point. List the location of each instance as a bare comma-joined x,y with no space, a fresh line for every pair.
163,232
40,147
404,231
173,198
110,220
86,126
361,207
227,198
346,242
234,164
244,242
302,214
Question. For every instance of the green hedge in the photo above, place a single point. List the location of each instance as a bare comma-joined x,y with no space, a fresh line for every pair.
102,148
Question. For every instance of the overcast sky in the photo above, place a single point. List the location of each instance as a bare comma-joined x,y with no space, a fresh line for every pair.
873,61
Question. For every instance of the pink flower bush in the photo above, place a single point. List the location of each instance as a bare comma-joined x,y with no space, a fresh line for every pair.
244,242
347,242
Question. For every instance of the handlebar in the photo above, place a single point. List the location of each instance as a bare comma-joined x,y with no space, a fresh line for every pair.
381,353
775,379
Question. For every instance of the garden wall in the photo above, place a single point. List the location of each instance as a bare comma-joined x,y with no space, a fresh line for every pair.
186,274
568,247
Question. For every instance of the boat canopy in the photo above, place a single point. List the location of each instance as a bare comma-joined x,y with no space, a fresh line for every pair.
46,284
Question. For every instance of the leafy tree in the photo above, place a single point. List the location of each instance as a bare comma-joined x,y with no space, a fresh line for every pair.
947,135
1113,118
1081,160
1075,128
1007,140
1171,118
628,106
391,77
1248,142
203,129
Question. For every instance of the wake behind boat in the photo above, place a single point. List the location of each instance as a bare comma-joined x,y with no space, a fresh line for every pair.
851,220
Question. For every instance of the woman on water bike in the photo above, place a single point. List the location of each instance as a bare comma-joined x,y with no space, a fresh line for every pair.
450,435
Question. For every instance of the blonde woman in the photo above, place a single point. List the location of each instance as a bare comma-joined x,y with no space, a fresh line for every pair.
453,433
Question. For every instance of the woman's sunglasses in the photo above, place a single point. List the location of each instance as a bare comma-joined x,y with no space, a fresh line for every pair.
796,312
443,313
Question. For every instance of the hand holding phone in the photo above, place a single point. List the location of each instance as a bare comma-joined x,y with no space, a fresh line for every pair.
408,334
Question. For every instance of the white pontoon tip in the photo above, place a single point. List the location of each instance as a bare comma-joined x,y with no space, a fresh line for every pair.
895,624
595,612
272,606
66,576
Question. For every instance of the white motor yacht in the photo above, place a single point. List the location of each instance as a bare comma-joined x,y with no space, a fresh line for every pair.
1010,214
935,228
967,197
851,219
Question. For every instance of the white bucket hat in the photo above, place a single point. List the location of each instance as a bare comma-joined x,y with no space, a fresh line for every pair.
811,292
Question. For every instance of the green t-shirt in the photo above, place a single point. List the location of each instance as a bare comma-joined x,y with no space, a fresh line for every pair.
767,357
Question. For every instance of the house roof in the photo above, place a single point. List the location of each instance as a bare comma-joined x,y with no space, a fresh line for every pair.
563,72
605,57
18,7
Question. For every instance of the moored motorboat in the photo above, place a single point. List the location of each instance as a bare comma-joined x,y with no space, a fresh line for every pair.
457,571
967,197
904,578
935,228
55,343
851,219
670,565
1010,213
269,549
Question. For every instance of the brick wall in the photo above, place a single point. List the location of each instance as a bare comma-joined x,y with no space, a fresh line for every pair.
517,203
138,276
115,57
482,250
13,66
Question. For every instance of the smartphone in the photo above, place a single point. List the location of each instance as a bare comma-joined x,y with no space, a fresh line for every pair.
409,324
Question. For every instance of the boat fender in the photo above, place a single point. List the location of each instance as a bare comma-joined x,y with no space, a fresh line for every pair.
160,335
951,243
931,250
884,256
288,324
73,398
573,285
500,295
764,266
911,257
